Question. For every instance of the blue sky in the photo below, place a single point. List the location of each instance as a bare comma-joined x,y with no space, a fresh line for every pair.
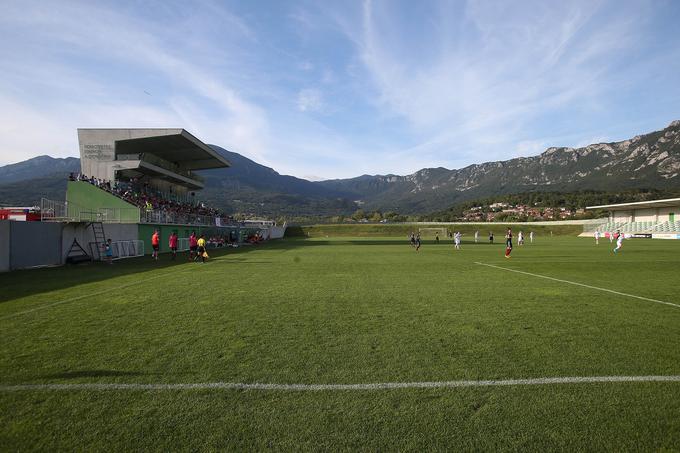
338,89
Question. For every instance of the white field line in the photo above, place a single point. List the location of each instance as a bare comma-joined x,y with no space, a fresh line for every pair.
335,387
581,284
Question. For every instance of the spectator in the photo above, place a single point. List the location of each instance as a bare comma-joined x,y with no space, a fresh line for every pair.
154,204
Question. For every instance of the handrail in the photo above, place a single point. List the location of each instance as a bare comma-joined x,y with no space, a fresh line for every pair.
58,211
164,217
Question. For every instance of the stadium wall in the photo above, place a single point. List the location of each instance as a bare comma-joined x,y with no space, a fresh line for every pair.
665,214
82,232
4,245
145,231
646,215
33,244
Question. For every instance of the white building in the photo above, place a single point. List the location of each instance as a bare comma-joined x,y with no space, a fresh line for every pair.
657,218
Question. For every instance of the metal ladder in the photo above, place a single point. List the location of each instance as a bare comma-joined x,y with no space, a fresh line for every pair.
97,246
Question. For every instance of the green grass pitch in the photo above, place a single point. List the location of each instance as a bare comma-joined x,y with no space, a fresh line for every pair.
347,311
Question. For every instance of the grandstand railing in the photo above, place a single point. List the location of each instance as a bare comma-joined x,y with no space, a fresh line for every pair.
637,227
127,249
592,227
62,211
142,215
173,218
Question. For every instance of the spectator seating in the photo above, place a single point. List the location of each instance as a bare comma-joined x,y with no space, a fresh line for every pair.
155,206
666,227
640,227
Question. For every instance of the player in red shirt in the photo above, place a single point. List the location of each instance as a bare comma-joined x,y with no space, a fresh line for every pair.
508,243
155,244
193,245
172,242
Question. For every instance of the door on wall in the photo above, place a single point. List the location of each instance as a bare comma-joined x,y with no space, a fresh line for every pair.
671,217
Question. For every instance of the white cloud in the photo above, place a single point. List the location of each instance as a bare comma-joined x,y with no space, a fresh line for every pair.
309,100
386,87
508,65
526,148
101,31
30,130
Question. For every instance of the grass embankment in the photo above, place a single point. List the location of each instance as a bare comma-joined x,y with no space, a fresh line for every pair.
403,230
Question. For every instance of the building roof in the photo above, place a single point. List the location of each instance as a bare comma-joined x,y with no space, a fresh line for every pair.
666,203
174,145
135,168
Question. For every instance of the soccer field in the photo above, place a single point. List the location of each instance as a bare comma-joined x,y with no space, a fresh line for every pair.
370,345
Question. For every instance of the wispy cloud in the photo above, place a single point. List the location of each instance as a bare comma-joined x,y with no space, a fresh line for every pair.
342,88
128,45
508,71
309,100
506,67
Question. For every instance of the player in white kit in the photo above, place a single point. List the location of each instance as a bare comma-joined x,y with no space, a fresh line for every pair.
531,237
456,240
597,237
619,242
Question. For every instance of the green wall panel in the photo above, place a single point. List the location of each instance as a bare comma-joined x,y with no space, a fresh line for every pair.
88,196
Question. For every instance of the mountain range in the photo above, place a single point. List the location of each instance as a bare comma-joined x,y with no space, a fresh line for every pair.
646,161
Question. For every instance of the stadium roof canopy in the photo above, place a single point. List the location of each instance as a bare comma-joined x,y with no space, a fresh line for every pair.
666,203
174,145
165,154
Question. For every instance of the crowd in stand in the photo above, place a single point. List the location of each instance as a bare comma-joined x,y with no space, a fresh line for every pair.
255,238
222,241
153,202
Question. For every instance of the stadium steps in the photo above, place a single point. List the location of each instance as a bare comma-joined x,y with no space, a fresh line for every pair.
641,227
666,227
611,226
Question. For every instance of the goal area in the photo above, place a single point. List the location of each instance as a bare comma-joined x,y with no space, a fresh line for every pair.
432,232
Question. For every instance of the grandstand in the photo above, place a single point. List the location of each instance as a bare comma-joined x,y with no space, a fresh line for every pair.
657,219
132,182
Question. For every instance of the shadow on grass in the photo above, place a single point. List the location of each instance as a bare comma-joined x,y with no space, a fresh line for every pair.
29,282
26,283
